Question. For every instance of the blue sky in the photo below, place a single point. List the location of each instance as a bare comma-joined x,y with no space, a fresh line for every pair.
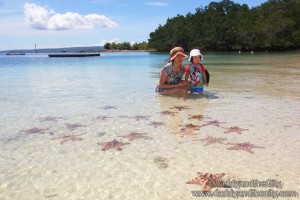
67,23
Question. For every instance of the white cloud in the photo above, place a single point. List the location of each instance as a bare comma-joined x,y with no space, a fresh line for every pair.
43,18
156,3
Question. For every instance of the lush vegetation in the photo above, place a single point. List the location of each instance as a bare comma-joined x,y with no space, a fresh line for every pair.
126,46
228,26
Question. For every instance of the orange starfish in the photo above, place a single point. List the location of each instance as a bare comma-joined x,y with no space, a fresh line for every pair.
199,117
191,126
247,146
207,181
180,107
134,135
235,129
211,140
112,144
189,129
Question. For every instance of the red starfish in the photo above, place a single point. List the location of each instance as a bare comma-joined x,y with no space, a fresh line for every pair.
67,138
156,124
207,181
134,135
214,123
49,118
235,129
72,127
34,130
102,118
211,140
140,117
167,113
109,107
247,146
112,144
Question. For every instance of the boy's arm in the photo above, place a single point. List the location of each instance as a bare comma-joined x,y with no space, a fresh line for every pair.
204,75
204,79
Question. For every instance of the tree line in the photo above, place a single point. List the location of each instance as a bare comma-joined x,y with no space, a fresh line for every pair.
228,26
126,46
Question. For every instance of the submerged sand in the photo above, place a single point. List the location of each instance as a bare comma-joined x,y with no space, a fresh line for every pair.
263,101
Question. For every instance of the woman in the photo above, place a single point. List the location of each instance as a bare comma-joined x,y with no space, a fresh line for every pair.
170,81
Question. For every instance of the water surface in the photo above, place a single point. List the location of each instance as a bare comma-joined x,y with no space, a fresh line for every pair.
99,99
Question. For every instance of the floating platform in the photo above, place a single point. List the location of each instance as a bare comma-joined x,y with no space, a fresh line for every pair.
79,54
15,53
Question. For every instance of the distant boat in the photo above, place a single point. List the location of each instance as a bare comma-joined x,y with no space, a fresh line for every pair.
78,54
15,53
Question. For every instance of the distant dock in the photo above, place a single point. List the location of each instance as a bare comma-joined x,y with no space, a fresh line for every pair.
78,54
15,53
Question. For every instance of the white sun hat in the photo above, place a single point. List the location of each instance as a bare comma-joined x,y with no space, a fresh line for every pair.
195,52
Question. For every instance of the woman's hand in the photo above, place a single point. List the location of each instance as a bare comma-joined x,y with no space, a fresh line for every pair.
183,83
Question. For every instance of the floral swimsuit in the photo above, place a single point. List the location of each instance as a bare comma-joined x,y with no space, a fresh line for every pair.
173,77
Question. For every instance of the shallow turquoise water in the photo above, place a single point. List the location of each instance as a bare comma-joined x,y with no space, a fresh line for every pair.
259,92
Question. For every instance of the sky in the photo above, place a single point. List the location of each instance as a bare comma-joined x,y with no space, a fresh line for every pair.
70,23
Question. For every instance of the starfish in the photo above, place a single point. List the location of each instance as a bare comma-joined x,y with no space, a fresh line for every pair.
123,116
140,117
207,181
214,123
199,117
180,107
102,118
247,146
67,138
156,124
109,107
134,135
34,130
187,131
72,127
211,140
167,113
112,144
49,118
191,126
235,129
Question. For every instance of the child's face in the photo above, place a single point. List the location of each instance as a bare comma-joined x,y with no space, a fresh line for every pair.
196,59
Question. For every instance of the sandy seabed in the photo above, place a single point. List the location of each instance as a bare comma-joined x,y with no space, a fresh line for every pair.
38,166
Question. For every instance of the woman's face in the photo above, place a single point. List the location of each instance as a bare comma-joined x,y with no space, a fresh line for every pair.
179,58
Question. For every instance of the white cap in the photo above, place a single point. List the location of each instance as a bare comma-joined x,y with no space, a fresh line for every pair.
195,52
